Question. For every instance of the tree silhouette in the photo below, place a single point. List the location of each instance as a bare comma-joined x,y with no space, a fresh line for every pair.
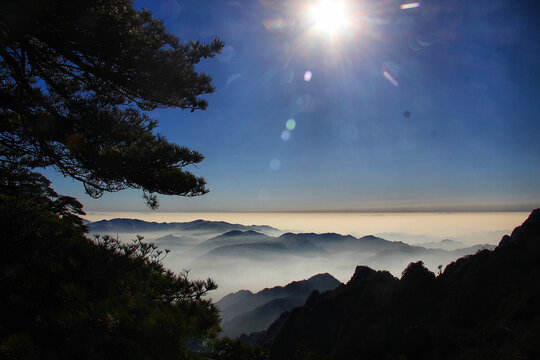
77,78
76,81
65,296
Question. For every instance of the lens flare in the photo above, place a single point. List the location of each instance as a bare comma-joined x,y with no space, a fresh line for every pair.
410,5
285,135
290,125
329,16
275,164
390,70
390,78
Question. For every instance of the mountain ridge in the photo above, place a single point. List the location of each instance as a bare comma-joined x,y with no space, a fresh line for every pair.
244,311
134,225
481,306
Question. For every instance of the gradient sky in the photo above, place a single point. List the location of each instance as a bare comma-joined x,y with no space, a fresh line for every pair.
436,107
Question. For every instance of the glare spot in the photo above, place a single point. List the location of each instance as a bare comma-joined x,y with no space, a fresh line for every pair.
390,78
285,135
275,24
307,75
275,164
390,71
425,40
290,125
329,16
410,5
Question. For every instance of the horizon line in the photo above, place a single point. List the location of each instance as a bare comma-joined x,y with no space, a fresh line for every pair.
323,211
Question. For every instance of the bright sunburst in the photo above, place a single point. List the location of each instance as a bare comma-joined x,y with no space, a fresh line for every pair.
329,16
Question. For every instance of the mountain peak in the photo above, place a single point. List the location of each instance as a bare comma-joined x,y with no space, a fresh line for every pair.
233,233
323,282
361,273
242,233
364,272
321,276
527,232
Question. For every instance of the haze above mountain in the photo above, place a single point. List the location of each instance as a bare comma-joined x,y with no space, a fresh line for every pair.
254,257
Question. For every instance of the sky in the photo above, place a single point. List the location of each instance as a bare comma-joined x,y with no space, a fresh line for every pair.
357,106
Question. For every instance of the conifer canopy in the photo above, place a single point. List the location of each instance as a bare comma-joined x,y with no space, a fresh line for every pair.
77,79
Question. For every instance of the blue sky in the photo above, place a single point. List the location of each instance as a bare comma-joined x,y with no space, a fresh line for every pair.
430,108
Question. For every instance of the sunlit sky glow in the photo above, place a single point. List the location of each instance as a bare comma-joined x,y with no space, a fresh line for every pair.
471,228
329,16
357,106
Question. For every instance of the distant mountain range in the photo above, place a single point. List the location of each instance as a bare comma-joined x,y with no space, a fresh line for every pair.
134,226
239,256
250,245
245,312
245,236
446,244
233,238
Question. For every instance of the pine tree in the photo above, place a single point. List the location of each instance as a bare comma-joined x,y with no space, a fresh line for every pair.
77,81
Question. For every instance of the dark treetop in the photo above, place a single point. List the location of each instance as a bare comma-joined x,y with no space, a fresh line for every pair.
76,80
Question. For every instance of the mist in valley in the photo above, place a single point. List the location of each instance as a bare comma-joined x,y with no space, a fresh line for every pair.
240,257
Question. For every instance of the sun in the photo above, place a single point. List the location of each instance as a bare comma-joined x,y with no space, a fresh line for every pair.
329,17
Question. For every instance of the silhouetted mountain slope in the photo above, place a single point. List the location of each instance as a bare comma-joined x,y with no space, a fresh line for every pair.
170,238
302,244
299,245
333,242
446,244
409,250
483,306
179,243
244,311
235,237
319,238
249,250
262,316
133,225
251,245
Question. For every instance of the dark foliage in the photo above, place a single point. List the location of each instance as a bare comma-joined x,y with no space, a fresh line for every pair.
76,78
68,297
234,349
483,306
